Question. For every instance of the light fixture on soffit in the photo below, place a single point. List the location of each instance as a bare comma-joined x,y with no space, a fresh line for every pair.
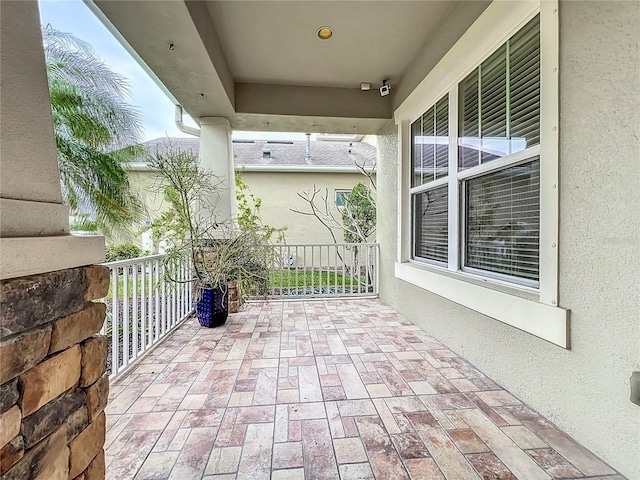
325,33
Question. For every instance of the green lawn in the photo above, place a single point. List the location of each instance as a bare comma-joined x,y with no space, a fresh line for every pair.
293,278
277,279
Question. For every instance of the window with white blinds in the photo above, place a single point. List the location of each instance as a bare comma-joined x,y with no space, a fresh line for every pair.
430,162
502,221
494,230
431,225
430,144
499,102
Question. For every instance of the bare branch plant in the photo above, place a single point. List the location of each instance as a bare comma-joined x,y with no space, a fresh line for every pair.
220,251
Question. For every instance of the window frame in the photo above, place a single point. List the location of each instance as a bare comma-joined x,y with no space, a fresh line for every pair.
534,310
340,192
512,162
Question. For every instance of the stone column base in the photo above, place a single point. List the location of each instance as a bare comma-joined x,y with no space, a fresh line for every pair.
53,386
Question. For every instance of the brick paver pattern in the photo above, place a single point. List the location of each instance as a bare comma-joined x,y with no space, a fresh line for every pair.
339,389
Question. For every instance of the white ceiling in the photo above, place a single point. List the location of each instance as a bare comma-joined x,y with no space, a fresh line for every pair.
275,42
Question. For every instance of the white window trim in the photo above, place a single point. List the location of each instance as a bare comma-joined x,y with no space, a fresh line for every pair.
540,316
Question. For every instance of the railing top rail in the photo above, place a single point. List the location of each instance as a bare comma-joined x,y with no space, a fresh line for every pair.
134,261
329,244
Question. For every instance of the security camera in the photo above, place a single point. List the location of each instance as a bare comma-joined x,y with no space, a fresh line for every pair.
384,89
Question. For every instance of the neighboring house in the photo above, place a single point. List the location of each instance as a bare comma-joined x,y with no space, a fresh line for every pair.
276,172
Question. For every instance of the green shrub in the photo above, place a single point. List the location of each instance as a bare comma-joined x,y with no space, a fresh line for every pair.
83,226
122,251
359,214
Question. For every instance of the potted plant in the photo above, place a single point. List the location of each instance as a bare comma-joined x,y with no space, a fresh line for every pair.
220,251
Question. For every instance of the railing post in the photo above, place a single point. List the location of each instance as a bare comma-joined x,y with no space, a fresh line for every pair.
156,318
281,272
344,275
152,312
304,270
313,253
143,308
136,321
126,320
376,270
174,299
115,334
164,299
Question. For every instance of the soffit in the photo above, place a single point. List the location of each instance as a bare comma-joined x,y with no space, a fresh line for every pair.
275,42
188,72
261,65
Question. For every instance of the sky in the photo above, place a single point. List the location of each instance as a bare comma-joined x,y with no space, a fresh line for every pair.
157,109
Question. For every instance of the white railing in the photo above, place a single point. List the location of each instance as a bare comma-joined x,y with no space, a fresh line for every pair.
143,307
324,270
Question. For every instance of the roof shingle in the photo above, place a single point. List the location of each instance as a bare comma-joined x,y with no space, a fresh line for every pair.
324,153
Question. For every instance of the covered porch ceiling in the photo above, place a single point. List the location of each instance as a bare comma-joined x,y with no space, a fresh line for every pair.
261,64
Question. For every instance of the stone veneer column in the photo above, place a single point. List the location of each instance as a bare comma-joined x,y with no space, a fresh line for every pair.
53,385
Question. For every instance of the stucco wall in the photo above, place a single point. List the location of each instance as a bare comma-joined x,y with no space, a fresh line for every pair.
278,192
149,187
584,390
34,223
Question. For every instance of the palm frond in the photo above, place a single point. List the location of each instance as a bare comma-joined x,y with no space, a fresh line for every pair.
97,131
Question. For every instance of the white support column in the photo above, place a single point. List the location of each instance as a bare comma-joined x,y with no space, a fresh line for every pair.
216,156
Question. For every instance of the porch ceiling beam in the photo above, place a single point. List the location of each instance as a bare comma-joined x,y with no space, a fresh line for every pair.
195,66
307,101
321,109
306,124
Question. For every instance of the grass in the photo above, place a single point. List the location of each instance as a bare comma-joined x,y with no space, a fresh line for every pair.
277,279
293,278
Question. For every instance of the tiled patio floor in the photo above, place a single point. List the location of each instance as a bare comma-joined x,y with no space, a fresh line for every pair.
325,390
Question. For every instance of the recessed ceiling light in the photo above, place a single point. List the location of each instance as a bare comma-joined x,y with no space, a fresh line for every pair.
325,33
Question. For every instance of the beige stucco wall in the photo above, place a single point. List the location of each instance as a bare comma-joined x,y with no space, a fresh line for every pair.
147,184
584,390
278,192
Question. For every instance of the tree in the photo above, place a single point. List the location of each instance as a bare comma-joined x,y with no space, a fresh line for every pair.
96,132
220,250
359,214
358,219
